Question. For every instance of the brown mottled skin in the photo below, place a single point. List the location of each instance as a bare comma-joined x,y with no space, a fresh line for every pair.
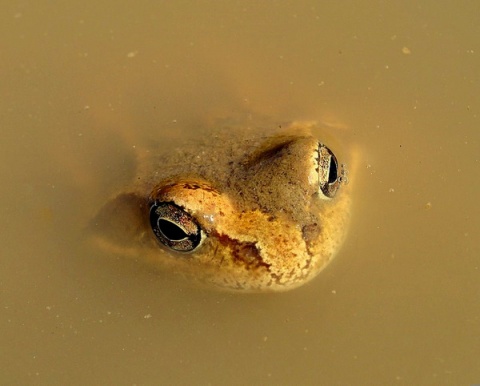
255,195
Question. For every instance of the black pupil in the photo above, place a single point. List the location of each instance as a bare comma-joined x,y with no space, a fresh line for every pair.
171,231
332,173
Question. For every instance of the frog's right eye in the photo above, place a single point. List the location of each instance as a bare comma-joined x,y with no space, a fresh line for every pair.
174,227
330,173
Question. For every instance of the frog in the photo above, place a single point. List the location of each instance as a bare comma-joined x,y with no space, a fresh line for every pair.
246,210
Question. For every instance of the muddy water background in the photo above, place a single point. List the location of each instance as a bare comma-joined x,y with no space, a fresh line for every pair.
84,82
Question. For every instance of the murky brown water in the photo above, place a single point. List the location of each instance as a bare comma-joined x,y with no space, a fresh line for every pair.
81,82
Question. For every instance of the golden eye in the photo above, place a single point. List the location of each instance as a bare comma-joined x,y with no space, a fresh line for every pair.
330,175
174,227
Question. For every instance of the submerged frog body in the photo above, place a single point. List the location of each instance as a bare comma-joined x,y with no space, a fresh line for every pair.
241,210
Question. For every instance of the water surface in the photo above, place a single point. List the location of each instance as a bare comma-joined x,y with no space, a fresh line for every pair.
85,83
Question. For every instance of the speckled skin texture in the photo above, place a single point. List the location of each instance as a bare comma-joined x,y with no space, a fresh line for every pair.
255,195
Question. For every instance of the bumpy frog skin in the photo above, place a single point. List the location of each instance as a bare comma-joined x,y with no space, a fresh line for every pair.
243,210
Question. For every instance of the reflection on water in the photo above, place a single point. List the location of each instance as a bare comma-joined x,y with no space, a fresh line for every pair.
83,86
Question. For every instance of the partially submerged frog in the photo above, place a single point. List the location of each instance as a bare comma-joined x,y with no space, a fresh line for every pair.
244,210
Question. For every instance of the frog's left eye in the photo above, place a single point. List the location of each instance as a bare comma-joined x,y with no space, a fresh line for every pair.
330,173
174,227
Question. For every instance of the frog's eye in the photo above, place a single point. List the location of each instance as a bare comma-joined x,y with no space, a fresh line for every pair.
174,227
329,174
